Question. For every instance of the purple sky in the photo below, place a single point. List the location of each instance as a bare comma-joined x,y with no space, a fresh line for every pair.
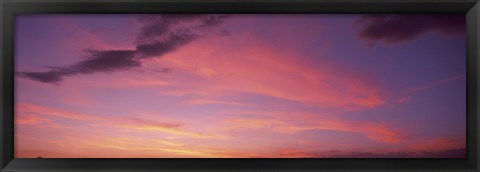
240,86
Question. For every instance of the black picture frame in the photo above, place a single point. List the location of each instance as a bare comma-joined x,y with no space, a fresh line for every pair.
10,8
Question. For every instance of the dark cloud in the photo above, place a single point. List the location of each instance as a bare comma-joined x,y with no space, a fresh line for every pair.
213,20
403,27
106,61
159,25
159,35
52,76
159,48
96,61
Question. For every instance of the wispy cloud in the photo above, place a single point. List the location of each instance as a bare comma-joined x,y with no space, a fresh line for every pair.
407,95
436,83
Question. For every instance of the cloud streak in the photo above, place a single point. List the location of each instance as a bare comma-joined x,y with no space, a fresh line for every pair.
42,110
28,115
396,28
154,123
374,131
159,35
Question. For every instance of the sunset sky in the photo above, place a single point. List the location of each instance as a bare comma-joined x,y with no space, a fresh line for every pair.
240,86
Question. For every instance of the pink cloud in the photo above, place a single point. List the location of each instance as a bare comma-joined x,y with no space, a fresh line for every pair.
261,69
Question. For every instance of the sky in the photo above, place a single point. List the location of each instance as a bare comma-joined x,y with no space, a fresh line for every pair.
240,86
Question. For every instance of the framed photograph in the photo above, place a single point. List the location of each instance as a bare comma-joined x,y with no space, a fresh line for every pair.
231,85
